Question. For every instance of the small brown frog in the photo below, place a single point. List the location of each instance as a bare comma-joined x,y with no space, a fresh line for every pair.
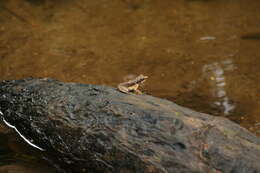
132,85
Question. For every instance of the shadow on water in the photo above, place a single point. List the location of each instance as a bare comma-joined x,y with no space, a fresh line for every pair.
5,156
251,36
202,54
36,2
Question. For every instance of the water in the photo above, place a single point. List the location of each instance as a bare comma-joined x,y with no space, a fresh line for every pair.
202,54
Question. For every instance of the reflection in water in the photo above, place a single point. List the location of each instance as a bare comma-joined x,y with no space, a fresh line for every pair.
216,72
5,156
207,38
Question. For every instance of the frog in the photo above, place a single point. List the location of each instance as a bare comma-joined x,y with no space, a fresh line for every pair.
131,86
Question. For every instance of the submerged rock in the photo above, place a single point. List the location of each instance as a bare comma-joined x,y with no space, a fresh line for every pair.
97,129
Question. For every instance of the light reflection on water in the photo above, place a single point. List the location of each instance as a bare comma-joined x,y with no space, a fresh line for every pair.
215,72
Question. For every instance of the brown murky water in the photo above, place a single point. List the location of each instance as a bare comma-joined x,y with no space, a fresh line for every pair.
202,54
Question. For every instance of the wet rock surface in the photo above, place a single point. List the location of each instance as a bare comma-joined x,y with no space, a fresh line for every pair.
97,129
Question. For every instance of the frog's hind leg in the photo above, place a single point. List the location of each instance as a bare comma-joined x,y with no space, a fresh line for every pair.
123,89
133,88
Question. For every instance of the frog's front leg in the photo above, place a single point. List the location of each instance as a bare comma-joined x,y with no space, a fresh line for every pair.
138,91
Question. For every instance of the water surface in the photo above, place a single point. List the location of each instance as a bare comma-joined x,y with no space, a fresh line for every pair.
202,54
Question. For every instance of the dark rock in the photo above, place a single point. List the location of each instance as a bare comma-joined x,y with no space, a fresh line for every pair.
96,129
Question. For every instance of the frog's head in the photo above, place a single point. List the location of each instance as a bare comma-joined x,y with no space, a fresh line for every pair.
142,77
